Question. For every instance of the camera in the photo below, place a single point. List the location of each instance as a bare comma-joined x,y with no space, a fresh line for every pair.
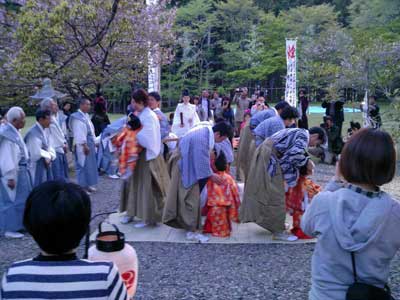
238,90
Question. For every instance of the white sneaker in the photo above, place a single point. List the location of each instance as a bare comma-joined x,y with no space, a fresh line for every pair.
114,176
126,220
140,225
201,238
92,189
284,236
13,235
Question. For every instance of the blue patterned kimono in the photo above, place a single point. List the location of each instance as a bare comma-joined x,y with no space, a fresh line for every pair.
105,158
86,172
195,147
226,147
267,128
291,145
261,116
12,209
43,172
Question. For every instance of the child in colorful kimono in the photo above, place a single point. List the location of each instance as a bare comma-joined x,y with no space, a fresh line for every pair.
128,147
299,197
223,201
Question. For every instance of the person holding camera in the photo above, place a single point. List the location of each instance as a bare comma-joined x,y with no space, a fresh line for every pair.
259,105
242,103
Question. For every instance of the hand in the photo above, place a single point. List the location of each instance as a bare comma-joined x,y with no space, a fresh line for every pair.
65,148
338,176
86,150
235,142
159,118
11,183
47,163
181,125
310,167
217,179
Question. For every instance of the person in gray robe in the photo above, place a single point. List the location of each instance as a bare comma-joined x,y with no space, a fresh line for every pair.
276,164
15,179
85,148
57,140
272,125
189,171
40,152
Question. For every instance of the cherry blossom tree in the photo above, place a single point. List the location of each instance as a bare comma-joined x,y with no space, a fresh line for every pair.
85,45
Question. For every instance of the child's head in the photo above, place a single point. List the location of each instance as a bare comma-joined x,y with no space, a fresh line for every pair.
133,122
369,157
220,162
57,215
355,126
247,114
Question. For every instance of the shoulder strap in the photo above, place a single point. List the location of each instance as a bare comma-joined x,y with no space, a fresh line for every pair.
353,262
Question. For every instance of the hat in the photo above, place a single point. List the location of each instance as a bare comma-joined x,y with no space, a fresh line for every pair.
185,92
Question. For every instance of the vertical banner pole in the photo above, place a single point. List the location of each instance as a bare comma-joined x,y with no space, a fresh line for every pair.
291,78
154,68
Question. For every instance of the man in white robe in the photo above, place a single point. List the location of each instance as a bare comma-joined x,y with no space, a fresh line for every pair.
40,152
57,140
85,149
185,116
15,180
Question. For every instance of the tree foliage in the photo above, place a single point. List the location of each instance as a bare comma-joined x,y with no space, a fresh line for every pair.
243,42
85,45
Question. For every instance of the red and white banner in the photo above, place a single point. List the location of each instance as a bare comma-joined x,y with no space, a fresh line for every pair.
291,60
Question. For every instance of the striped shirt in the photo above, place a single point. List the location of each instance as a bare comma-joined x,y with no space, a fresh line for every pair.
62,279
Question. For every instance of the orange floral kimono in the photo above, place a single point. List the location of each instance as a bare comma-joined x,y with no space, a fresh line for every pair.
222,206
129,148
297,200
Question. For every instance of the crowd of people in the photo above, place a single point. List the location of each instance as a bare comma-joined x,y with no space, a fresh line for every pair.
179,173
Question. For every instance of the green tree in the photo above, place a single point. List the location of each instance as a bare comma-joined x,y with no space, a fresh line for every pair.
86,45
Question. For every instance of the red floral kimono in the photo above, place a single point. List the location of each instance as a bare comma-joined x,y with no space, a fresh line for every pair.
222,206
297,199
130,149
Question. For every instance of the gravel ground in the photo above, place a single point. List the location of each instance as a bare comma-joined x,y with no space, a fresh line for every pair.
213,271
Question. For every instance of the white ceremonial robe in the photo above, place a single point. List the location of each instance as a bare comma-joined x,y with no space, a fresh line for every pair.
80,132
36,151
10,155
190,119
57,138
149,136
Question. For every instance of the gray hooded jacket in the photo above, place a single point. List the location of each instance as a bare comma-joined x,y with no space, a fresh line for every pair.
348,219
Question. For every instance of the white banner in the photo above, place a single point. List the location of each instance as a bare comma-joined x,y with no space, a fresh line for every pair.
291,59
154,67
154,74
